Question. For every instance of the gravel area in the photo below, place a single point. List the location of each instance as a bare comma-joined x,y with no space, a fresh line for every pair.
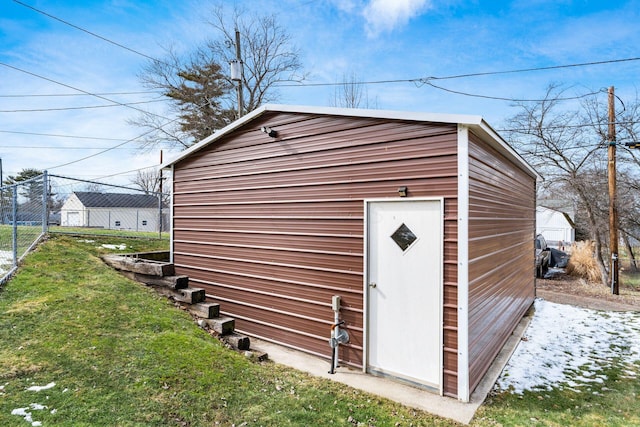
564,289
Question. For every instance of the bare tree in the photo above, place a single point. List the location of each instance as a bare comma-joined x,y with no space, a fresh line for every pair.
150,181
352,93
562,145
267,50
95,187
627,125
147,180
199,87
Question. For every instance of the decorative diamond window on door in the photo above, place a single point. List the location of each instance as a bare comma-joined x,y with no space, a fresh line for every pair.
403,237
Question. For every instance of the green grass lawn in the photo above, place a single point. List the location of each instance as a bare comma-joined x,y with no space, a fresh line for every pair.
26,236
120,355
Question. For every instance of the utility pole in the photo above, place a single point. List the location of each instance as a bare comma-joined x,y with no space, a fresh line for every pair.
160,199
237,72
160,170
613,209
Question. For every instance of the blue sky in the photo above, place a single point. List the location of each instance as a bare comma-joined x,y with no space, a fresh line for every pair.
373,39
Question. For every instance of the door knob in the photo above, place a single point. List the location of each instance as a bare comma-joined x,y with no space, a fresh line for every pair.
372,285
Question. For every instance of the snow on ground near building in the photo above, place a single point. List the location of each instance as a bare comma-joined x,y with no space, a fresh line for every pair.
569,347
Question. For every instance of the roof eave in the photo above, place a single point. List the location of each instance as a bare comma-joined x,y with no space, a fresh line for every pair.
354,112
215,136
473,121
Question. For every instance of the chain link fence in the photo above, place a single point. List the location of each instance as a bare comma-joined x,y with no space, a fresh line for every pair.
57,204
22,221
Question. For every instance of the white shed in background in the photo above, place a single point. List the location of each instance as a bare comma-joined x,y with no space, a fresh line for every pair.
557,227
113,211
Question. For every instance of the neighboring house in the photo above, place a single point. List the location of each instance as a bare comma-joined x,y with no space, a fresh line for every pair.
557,227
115,211
408,217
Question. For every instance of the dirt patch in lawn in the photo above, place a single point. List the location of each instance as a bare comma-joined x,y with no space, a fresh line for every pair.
557,286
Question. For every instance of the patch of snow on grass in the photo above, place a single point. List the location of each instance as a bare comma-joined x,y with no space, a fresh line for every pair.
6,261
28,416
570,346
40,388
121,247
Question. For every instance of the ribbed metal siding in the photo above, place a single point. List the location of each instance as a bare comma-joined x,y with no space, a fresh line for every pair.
273,228
501,228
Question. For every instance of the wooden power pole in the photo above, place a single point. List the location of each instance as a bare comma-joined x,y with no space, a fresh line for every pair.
613,209
239,59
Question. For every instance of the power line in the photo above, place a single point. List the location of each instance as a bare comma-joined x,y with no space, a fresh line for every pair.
61,136
568,126
80,94
77,89
508,99
121,144
129,171
103,151
35,110
45,147
90,33
525,70
426,80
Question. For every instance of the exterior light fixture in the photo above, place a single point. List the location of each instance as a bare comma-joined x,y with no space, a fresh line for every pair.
402,191
272,133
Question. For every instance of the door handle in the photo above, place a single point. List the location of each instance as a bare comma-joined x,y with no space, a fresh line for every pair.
372,285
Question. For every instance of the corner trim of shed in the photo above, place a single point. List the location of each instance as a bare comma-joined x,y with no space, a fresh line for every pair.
463,263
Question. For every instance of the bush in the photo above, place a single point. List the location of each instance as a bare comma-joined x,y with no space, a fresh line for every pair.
583,262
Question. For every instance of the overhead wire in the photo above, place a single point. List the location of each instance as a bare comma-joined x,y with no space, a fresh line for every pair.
524,70
510,99
61,136
123,143
35,95
421,81
45,147
418,81
90,32
78,89
87,107
568,126
424,80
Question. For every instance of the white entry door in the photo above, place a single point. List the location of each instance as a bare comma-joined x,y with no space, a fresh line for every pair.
405,290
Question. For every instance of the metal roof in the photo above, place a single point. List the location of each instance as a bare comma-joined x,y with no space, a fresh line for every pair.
116,200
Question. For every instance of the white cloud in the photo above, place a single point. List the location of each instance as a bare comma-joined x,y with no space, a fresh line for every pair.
386,15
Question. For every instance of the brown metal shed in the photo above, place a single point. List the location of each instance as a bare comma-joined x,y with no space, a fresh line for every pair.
422,223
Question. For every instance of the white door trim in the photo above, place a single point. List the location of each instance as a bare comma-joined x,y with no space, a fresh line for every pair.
366,278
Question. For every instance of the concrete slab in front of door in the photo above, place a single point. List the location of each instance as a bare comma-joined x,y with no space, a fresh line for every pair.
410,396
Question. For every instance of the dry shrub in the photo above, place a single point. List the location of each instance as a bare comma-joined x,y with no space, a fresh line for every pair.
583,262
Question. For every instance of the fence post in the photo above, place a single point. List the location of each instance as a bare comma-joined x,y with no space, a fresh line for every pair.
160,214
45,205
15,225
